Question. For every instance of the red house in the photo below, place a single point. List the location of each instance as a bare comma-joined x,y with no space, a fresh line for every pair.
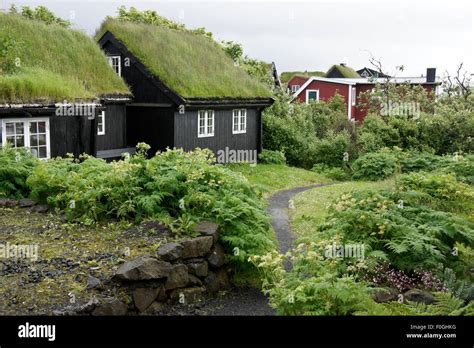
323,88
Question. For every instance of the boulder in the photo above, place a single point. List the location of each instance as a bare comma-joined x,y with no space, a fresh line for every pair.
144,297
93,282
208,228
8,203
217,281
154,308
187,296
26,203
88,307
417,295
143,268
217,258
161,294
110,307
170,251
194,281
198,267
385,295
177,278
196,247
40,208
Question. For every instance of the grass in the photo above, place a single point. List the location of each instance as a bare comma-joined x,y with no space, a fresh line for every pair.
311,207
346,71
190,64
270,178
55,64
286,76
67,254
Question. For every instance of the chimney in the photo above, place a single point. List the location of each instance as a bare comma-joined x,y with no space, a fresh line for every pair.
431,75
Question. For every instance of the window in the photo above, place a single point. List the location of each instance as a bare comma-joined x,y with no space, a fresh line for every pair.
239,121
295,88
32,134
205,123
101,123
312,95
353,96
114,62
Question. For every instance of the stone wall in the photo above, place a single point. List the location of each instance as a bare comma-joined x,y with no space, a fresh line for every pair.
181,273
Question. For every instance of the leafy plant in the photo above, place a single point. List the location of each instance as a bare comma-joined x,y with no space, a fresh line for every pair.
272,157
15,167
374,166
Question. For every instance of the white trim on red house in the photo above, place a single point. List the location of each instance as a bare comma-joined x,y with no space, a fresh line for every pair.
312,90
349,103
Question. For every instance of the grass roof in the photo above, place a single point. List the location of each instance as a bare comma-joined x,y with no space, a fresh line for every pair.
345,70
190,64
55,64
286,76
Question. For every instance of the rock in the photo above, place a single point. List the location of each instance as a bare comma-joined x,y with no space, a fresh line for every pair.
40,208
26,203
88,307
143,268
92,282
217,281
144,297
161,294
208,228
178,277
154,308
196,247
187,296
385,295
217,258
194,281
8,203
110,307
198,267
417,295
170,251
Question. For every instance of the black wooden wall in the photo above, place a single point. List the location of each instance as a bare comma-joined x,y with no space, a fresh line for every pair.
115,136
186,131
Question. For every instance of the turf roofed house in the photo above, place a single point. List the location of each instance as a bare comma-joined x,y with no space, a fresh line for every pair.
187,92
63,97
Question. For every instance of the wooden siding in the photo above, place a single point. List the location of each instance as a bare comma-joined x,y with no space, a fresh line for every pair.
186,131
115,136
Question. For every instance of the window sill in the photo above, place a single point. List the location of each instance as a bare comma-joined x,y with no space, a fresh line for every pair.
205,135
239,132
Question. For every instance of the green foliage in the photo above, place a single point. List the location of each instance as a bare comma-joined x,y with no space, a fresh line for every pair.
374,166
10,51
331,149
272,157
462,167
15,167
172,186
41,13
334,173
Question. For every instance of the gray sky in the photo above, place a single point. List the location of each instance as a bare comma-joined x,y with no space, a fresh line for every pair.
314,34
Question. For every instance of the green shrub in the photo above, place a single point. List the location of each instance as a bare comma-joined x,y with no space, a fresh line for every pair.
416,161
334,173
374,166
331,150
15,167
462,167
272,157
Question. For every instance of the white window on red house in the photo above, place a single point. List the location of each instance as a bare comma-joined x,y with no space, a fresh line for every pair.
295,88
32,134
312,95
205,123
239,121
114,62
353,95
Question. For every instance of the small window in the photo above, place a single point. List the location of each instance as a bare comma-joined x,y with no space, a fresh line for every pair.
353,96
295,88
239,121
32,134
205,123
114,62
101,123
312,95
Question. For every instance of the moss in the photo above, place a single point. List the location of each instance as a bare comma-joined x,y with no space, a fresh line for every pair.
346,72
286,76
192,65
55,63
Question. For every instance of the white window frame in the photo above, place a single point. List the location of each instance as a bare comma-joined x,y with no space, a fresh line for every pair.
295,88
101,116
241,115
26,132
208,116
117,68
353,95
312,90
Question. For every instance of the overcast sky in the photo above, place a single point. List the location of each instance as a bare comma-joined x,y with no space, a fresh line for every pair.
314,34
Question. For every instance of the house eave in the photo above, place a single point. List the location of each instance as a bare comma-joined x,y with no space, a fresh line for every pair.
259,102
